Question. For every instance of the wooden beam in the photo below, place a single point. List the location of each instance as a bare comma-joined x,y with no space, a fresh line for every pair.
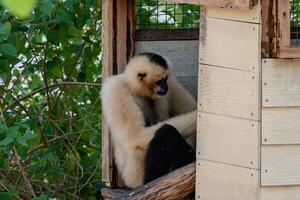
241,4
118,30
276,30
178,184
166,35
107,65
121,26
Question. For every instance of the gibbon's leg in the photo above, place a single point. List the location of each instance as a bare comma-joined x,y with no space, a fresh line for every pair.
167,151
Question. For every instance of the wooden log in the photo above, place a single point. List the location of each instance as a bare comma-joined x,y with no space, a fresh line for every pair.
178,184
107,193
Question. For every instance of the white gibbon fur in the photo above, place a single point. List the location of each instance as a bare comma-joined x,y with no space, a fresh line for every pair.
125,101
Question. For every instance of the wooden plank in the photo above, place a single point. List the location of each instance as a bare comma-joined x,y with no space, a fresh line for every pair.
242,4
281,125
276,30
131,24
289,52
280,165
229,92
281,82
217,181
284,20
107,63
280,193
165,35
228,140
121,37
236,46
251,16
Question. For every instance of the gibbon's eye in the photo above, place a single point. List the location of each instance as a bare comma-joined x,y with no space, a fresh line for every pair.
141,76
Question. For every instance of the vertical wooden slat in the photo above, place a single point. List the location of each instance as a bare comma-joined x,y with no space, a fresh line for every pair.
275,28
121,31
118,28
284,20
107,64
130,28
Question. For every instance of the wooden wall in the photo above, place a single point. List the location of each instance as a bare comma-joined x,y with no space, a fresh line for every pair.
229,119
182,54
280,152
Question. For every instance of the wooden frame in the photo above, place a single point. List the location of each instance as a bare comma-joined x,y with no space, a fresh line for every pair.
166,35
276,41
241,4
118,31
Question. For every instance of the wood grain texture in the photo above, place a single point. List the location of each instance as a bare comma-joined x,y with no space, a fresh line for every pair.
228,140
280,165
121,37
178,185
251,16
107,63
280,193
167,35
242,4
281,125
229,92
289,52
217,181
281,83
236,46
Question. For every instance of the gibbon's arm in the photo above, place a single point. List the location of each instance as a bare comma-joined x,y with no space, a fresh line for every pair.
181,100
126,121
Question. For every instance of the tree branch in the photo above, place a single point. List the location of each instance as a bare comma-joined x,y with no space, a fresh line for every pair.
50,87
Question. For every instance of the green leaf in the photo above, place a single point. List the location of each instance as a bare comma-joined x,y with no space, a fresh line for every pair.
19,8
5,196
45,7
3,128
64,17
6,141
27,136
42,197
8,49
5,30
52,37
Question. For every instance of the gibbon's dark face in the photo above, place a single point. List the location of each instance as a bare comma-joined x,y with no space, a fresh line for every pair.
161,87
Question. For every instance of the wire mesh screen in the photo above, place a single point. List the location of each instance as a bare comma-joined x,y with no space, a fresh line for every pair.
154,14
295,22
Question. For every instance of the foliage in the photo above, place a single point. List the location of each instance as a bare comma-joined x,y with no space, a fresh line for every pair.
295,13
50,111
19,8
153,14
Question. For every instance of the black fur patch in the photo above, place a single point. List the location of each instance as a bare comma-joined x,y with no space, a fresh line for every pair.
167,151
157,59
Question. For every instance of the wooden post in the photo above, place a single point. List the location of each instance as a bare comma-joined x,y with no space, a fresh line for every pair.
107,64
118,29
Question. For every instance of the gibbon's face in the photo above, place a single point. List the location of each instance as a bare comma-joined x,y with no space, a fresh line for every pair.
148,74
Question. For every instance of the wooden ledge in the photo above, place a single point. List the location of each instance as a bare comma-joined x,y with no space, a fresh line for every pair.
241,4
178,184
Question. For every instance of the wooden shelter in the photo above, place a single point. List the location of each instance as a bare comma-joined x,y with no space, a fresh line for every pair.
248,137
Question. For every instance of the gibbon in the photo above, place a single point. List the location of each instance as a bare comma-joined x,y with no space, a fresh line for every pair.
152,119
